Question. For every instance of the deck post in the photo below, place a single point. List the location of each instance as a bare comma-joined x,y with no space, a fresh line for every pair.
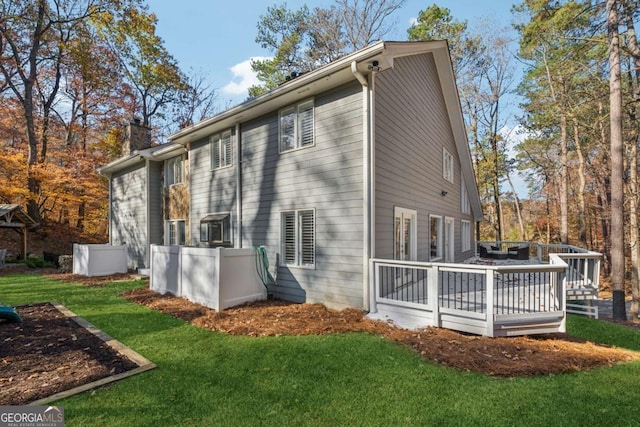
434,296
489,277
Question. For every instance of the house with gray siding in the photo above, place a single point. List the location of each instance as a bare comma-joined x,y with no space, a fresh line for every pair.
138,210
363,158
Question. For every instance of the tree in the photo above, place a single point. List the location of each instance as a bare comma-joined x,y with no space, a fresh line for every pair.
195,103
483,69
436,23
146,63
617,166
303,40
33,38
365,21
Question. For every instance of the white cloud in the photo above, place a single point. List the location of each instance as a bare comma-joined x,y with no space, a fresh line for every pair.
413,21
243,78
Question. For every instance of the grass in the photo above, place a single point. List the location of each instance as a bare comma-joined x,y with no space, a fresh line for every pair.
208,378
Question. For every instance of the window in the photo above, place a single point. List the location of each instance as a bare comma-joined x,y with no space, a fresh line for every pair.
298,238
296,126
215,230
465,230
464,199
435,234
175,232
173,171
220,150
447,165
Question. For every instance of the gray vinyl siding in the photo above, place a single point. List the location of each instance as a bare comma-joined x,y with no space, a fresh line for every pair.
327,178
212,191
129,213
411,128
156,226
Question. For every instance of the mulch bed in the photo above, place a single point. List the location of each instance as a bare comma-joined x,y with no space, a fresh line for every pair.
48,352
508,357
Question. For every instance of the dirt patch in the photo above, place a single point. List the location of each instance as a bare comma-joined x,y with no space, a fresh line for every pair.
514,356
48,353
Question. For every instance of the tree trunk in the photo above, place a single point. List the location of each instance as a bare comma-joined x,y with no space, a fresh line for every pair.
564,211
634,208
617,166
523,234
582,223
80,222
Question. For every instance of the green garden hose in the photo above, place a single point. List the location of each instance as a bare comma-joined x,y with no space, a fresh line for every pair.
262,267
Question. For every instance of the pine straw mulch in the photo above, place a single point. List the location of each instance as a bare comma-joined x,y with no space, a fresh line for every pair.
507,357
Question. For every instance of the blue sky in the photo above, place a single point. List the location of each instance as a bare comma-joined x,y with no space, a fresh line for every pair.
217,38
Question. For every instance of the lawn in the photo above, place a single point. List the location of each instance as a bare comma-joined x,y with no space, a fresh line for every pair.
206,378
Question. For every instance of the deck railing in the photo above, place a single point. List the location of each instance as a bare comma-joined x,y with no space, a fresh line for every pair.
491,300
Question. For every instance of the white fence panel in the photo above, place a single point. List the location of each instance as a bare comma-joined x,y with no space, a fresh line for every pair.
99,259
238,278
199,275
165,269
214,277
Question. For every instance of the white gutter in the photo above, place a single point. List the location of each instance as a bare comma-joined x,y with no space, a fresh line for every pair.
366,186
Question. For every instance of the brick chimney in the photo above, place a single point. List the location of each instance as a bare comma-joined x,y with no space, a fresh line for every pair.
136,137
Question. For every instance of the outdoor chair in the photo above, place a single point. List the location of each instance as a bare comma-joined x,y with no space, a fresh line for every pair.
3,252
520,252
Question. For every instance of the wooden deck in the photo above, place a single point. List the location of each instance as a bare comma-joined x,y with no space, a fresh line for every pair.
493,300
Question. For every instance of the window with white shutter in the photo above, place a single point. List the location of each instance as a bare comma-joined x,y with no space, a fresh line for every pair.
296,126
307,238
299,238
305,124
221,149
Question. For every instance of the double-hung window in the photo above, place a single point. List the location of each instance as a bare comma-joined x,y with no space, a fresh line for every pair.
298,238
173,170
220,150
175,232
296,126
447,165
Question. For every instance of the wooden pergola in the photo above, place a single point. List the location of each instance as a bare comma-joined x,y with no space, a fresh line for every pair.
13,217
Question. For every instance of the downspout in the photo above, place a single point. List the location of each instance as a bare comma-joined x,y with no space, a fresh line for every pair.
110,211
366,190
147,249
238,188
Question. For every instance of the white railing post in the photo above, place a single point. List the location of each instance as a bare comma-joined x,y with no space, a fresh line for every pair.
433,288
489,275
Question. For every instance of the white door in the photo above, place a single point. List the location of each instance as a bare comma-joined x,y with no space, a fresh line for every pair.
404,230
448,240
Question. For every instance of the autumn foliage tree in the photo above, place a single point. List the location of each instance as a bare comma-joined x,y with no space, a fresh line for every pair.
72,73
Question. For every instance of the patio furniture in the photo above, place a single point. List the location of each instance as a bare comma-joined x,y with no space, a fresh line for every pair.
490,251
483,250
3,252
520,252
